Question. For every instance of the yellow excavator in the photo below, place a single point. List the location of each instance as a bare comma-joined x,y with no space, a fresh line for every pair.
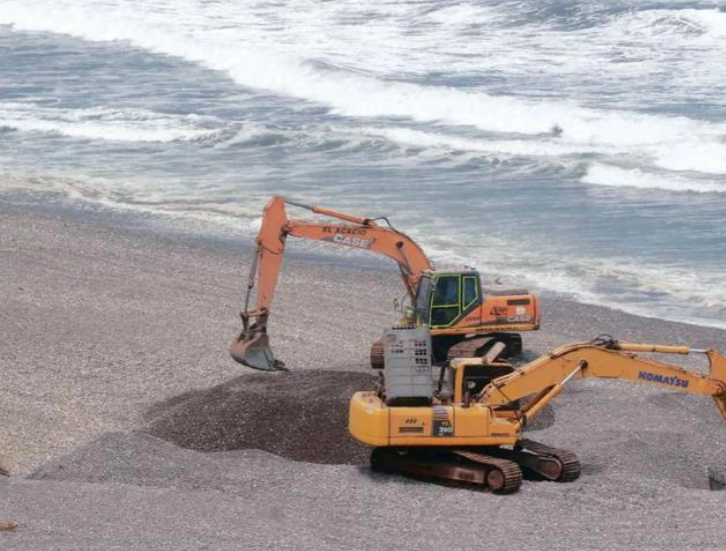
465,319
469,429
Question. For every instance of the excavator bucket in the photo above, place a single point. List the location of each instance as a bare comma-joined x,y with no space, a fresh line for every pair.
254,351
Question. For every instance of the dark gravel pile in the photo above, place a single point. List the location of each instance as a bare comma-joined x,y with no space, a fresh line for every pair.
300,415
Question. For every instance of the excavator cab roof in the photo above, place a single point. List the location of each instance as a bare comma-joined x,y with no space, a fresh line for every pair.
434,273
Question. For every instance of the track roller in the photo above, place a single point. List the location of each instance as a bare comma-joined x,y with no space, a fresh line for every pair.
550,463
460,467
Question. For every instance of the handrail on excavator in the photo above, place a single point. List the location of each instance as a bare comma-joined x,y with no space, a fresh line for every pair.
333,213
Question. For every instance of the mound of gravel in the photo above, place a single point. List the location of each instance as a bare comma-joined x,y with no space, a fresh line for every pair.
298,415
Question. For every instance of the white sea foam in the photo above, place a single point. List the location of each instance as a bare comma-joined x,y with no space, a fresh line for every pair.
671,141
709,158
712,20
608,175
540,147
683,294
670,23
101,123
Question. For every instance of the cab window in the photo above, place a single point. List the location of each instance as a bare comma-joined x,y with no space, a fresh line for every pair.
445,305
423,297
471,291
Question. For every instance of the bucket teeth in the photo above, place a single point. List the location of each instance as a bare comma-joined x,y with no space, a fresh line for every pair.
255,352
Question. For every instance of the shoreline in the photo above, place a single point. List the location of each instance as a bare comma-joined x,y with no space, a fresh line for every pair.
209,234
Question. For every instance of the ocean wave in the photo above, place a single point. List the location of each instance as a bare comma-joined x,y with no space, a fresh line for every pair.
693,155
310,138
104,123
659,24
708,157
353,94
608,175
539,147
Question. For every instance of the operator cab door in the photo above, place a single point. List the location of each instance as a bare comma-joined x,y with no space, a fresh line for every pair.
446,300
451,297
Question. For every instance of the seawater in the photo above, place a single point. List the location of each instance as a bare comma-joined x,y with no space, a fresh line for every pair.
576,147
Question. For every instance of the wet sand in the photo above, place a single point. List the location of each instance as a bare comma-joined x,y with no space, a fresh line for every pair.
125,425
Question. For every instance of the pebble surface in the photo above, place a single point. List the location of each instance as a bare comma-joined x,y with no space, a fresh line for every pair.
125,425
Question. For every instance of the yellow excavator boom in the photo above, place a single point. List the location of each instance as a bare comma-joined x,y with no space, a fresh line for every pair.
497,414
546,376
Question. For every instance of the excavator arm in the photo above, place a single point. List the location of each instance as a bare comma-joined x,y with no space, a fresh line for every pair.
546,376
251,347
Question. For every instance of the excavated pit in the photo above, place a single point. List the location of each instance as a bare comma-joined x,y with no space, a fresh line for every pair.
300,415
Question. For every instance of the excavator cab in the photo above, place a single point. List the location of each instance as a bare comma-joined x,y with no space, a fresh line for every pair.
443,299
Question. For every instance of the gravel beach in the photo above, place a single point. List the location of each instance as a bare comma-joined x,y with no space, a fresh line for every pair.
125,425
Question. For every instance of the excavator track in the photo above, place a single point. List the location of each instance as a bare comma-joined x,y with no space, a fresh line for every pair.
570,464
468,349
461,468
505,476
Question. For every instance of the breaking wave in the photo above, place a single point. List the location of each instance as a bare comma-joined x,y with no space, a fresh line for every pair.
607,175
677,143
102,123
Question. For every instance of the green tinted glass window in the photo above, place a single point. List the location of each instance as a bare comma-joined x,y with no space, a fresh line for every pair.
471,291
447,291
445,306
423,297
444,315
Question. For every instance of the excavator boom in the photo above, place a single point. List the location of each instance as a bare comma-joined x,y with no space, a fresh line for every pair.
252,347
607,359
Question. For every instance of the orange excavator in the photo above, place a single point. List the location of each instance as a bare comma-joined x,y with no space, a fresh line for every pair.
465,319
